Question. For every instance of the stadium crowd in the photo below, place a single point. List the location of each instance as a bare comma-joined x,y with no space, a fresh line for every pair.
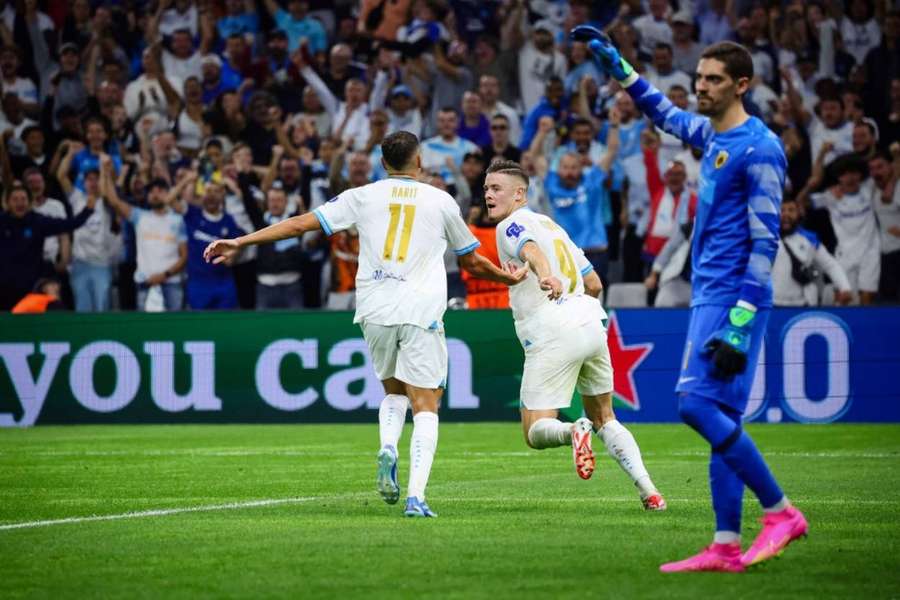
136,132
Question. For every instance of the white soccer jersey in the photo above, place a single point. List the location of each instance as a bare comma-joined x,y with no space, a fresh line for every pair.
404,229
567,261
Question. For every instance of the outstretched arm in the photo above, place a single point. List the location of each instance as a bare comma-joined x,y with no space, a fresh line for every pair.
483,268
222,250
686,126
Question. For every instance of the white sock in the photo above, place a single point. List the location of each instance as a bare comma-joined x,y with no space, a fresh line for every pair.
727,537
421,452
621,446
549,433
778,506
391,417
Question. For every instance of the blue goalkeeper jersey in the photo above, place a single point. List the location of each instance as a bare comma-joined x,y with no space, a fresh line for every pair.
738,213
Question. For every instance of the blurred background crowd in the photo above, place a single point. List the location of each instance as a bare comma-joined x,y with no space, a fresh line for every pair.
135,132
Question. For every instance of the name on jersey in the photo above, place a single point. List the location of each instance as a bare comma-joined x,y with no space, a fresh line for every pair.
399,191
514,230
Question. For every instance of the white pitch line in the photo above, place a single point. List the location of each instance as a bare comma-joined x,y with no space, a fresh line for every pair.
163,512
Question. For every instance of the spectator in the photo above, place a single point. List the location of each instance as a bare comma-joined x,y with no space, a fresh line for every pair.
501,144
13,123
21,87
446,144
451,79
501,66
341,70
578,196
298,25
188,124
22,235
152,93
215,82
798,262
865,138
886,200
57,249
539,62
581,66
474,126
402,112
653,28
552,104
96,246
161,243
667,192
671,270
279,265
45,297
685,50
859,30
716,22
344,264
663,74
67,87
182,16
208,286
491,105
240,18
350,118
882,67
849,204
34,157
582,144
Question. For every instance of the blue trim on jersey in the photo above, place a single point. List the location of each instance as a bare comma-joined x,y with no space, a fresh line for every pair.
323,222
587,270
470,248
521,243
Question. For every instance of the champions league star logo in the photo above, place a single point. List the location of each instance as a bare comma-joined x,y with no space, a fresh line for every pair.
514,230
625,359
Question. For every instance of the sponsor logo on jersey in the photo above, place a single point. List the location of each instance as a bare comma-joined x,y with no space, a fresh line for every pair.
514,230
721,158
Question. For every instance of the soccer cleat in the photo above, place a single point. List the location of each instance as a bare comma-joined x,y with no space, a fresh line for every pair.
724,558
654,502
779,530
386,479
417,508
582,453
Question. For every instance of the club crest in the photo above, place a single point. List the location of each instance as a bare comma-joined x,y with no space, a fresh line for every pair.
514,230
721,158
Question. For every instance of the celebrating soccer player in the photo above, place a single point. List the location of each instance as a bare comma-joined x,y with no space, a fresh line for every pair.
734,244
561,326
401,293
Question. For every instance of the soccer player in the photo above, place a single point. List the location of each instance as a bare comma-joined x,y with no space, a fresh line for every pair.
564,337
401,293
734,243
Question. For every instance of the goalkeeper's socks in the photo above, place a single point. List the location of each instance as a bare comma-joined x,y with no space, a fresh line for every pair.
624,449
744,459
421,452
727,496
549,433
391,417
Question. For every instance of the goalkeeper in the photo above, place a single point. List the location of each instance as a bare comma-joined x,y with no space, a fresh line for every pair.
735,241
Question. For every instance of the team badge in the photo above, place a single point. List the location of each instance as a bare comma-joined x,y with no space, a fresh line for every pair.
514,230
721,157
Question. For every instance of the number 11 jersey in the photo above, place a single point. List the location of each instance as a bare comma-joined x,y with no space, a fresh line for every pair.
405,227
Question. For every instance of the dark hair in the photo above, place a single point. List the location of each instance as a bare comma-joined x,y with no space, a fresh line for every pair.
883,155
678,86
663,46
452,109
398,148
508,167
582,121
500,116
736,58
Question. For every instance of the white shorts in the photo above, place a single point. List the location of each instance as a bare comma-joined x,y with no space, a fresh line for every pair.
409,353
863,272
565,350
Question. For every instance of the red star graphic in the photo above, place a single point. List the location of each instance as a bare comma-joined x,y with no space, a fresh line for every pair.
625,359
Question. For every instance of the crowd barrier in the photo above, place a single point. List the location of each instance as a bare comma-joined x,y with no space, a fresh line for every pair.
818,366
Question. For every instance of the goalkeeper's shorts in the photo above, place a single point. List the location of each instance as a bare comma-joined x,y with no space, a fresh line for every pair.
696,376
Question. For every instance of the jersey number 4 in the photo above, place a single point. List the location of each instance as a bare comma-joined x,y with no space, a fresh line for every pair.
566,263
409,215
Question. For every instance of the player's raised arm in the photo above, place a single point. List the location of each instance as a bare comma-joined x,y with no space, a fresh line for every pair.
688,127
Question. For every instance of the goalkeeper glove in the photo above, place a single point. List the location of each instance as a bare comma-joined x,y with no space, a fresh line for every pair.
729,345
604,51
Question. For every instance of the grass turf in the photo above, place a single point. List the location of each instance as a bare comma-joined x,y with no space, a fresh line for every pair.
513,522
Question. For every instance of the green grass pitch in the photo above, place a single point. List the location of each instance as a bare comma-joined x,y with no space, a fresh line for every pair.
513,522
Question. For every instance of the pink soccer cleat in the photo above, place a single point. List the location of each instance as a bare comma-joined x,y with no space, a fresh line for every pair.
582,453
725,558
779,530
654,502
